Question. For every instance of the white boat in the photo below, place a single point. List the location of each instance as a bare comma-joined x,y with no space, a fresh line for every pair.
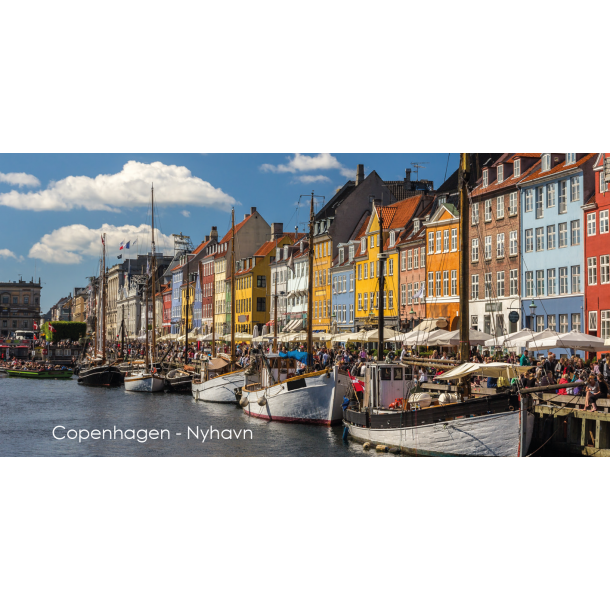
490,425
313,398
143,381
218,389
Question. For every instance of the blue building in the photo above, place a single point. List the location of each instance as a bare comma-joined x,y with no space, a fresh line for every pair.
552,241
343,289
197,305
176,299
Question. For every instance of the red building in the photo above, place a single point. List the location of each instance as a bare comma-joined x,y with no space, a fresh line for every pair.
597,252
206,273
166,293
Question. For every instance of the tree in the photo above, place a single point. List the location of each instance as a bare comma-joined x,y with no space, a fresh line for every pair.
64,330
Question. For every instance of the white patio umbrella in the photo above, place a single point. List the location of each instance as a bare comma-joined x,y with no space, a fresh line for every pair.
534,342
426,338
341,338
475,337
238,337
572,340
510,338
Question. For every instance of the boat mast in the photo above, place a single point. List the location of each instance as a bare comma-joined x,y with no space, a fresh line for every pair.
186,338
275,310
214,309
152,272
103,320
146,324
381,320
464,315
310,291
233,289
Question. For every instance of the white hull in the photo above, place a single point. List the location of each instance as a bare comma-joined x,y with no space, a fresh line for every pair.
144,382
219,389
488,435
319,402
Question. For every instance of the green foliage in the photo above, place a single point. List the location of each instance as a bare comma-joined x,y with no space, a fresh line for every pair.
64,330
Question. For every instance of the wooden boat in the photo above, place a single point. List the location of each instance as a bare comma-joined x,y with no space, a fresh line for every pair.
52,374
178,380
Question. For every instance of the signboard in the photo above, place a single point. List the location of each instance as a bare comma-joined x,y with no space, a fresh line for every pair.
493,307
607,168
513,317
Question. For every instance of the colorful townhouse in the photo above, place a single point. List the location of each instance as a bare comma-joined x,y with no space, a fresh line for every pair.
250,233
297,287
597,251
412,255
335,223
206,278
552,240
395,219
495,261
166,294
253,289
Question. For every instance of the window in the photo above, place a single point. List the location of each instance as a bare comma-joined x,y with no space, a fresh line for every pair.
592,271
540,283
359,272
422,262
563,188
517,168
563,280
563,234
474,287
15,300
602,182
546,162
453,283
438,284
475,251
485,178
439,239
391,266
529,283
575,279
570,158
416,225
415,291
474,322
540,202
409,294
576,322
529,240
539,239
392,239
550,196
591,229
431,284
26,300
500,207
366,271
487,247
500,245
475,213
403,294
487,285
446,240
500,173
605,329
514,282
453,240
529,200
512,205
403,260
351,282
410,260
366,301
500,284
261,304
604,269
592,320
351,312
513,246
261,281
416,258
390,299
551,282
551,238
539,323
372,268
575,188
575,230
551,322
363,244
378,240
563,323
604,222
372,241
488,210
431,242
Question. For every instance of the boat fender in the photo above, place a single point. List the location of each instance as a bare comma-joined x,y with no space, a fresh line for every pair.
395,450
382,448
447,397
244,400
345,432
262,401
366,446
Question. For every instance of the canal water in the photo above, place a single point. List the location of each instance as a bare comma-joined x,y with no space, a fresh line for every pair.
31,409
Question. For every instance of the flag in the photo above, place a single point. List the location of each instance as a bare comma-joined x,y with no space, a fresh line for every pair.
420,293
35,326
103,242
120,256
127,245
122,245
52,329
135,242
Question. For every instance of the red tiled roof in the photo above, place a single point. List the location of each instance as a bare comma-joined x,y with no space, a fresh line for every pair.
522,155
538,173
201,246
509,181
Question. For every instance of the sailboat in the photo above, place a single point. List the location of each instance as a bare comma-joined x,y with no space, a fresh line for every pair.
148,379
99,373
214,384
393,411
291,394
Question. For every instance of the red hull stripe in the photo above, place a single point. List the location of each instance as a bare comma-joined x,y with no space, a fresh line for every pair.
294,420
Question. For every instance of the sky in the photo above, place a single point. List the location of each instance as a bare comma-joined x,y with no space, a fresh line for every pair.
54,207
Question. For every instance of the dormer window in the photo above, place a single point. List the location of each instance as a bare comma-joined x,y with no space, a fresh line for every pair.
285,252
517,168
302,246
570,158
351,253
442,200
485,179
341,256
278,254
416,226
363,244
546,162
392,239
500,173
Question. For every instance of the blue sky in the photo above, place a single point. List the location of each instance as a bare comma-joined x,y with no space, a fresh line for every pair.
53,206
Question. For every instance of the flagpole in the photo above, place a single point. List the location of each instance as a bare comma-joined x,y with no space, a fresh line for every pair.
152,271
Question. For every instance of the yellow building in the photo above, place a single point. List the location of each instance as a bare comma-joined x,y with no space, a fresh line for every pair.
322,262
253,290
396,217
191,296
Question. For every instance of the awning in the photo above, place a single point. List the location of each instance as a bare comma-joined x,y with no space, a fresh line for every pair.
495,369
431,324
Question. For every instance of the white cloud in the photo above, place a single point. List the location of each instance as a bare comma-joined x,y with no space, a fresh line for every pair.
174,185
185,213
69,245
6,253
305,163
309,179
20,179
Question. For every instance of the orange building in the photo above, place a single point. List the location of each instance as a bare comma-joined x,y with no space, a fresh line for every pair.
442,265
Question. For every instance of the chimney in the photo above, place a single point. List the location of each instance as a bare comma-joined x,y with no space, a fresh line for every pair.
214,233
252,210
360,175
207,238
277,230
408,179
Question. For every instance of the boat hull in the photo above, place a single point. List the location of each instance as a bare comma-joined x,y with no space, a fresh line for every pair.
41,374
144,383
314,399
494,435
101,376
219,389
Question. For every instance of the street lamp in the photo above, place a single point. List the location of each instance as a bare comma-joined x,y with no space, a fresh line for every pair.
533,308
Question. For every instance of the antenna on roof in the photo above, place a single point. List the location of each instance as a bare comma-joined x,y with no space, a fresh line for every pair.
417,165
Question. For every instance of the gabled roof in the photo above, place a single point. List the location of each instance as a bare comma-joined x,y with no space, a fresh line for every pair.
440,211
509,181
227,237
409,235
397,215
201,246
560,167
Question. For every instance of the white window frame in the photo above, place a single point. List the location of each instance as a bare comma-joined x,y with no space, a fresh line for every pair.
487,251
539,239
563,281
550,195
454,246
513,243
575,189
474,287
604,222
500,207
500,250
430,242
605,324
453,282
500,284
529,240
551,237
514,282
488,214
517,168
546,162
575,232
475,213
604,269
591,224
592,320
513,206
551,282
563,235
500,173
403,260
529,200
474,251
446,240
570,158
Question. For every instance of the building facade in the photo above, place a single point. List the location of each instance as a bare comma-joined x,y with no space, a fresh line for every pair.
552,237
19,306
